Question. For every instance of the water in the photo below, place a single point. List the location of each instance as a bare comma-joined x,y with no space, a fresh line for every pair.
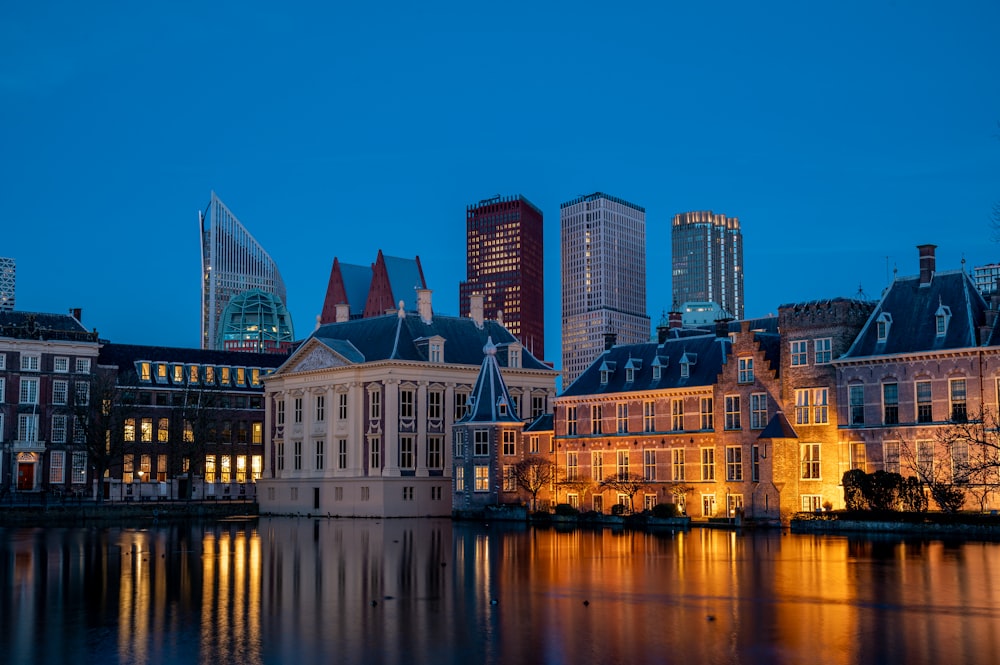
300,591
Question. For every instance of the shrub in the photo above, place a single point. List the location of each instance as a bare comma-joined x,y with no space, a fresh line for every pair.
854,485
666,510
911,495
949,498
565,509
619,509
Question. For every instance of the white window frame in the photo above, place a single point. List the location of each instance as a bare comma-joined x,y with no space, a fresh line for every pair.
823,350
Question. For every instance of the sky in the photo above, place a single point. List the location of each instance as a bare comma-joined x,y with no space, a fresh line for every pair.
841,135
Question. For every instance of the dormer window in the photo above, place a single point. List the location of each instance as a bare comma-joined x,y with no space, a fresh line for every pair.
656,372
659,362
941,318
607,369
604,376
630,367
502,406
514,355
686,361
882,325
629,375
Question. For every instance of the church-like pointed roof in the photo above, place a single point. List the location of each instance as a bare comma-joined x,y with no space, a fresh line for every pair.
490,401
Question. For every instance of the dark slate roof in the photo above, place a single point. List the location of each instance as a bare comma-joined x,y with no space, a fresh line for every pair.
708,351
770,345
404,279
490,401
391,337
543,423
38,325
913,307
125,356
356,279
767,324
778,428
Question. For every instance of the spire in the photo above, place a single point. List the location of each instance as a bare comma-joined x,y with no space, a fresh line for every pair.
490,401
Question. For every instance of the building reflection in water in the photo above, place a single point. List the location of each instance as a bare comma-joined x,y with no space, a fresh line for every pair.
279,590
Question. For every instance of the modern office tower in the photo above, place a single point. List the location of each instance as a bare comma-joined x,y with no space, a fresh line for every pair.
257,322
603,278
8,282
986,278
232,262
708,261
504,264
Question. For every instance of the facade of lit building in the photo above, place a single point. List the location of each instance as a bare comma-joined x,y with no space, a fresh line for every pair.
232,262
8,284
603,243
256,322
708,261
505,265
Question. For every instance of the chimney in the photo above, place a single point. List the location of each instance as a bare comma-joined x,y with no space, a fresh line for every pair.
610,339
675,319
343,313
424,305
661,333
927,264
476,309
722,327
77,313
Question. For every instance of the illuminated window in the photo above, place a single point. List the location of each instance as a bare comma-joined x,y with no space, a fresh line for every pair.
209,468
146,425
677,463
572,466
127,468
255,377
459,479
145,372
708,463
210,375
256,466
810,461
163,430
193,374
130,429
257,432
241,376
224,379
178,373
482,479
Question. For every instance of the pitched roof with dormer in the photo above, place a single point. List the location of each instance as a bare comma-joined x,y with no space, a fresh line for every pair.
490,401
39,325
909,312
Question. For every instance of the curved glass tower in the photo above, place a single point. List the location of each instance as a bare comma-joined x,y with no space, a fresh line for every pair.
232,262
256,321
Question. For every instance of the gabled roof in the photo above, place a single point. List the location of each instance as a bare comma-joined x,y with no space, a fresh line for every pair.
912,308
543,423
38,325
709,350
404,337
490,401
778,428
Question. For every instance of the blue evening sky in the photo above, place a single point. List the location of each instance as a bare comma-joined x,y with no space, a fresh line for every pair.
842,134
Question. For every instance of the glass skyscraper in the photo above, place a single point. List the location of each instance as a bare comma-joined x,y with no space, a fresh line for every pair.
708,261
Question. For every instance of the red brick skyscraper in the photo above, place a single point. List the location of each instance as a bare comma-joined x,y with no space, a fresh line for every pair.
504,264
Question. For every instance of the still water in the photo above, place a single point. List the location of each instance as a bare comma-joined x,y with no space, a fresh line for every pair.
283,590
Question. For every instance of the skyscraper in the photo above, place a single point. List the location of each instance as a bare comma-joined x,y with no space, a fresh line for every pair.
8,282
708,261
603,278
232,262
504,264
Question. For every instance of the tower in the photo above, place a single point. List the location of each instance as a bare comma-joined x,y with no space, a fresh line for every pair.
708,261
504,264
8,282
603,278
232,262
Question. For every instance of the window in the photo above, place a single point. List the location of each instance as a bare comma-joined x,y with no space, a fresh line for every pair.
79,471
799,353
621,467
858,460
677,414
29,391
537,406
82,393
856,402
127,468
802,407
597,466
649,416
297,455
320,408
257,432
297,410
821,409
320,448
605,374
733,412
459,478
708,463
571,420
823,348
622,418
256,466
342,406
279,455
374,453
890,403
890,453
58,429
758,411
957,392
461,405
192,374
435,352
188,431
60,364
508,478
79,430
734,503
685,369
209,468
146,429
481,443
755,464
3,385
573,499
882,325
960,462
241,376
925,459
509,442
734,463
161,373
533,443
482,479
130,429
656,371
434,405
30,362
82,365
279,412
241,467
745,370
810,461
677,463
3,361
595,419
210,375
27,428
811,503
707,413
925,409
406,452
57,463
435,445
572,466
374,405
163,430
941,318
341,454
178,373
60,390
405,403
649,465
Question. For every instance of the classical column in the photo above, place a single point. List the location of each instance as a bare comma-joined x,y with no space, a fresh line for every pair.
357,444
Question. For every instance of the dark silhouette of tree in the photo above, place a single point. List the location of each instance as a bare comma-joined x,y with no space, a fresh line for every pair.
626,483
532,474
973,446
197,423
101,411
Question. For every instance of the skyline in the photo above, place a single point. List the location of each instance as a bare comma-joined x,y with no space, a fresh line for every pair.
819,128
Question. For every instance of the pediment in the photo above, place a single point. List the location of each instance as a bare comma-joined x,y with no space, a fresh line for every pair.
319,357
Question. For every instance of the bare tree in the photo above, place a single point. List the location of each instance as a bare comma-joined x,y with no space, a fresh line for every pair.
626,483
101,408
581,486
973,445
934,471
532,474
198,418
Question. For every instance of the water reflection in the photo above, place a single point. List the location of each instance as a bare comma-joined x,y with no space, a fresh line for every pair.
402,591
